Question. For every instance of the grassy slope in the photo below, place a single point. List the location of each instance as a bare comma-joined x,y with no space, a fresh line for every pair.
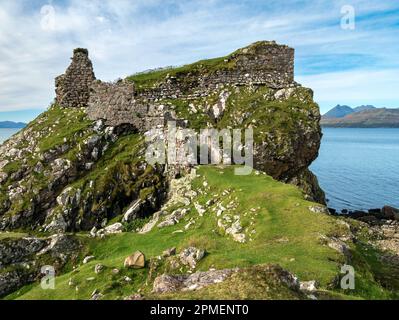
11,235
149,79
58,126
287,233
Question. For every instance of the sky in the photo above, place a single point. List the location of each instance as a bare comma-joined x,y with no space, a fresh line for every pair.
346,51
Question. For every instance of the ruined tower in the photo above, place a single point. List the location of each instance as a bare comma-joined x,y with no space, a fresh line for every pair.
73,88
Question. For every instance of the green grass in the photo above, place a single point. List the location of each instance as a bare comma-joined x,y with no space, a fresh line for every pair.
152,78
66,124
11,235
283,214
12,167
287,233
148,80
248,107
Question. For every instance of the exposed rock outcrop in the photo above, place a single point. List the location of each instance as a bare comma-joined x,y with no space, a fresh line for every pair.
196,281
21,259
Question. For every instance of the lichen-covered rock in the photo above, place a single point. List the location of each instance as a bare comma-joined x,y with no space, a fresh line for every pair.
191,256
274,275
308,182
281,276
196,281
13,280
133,210
87,259
61,246
318,209
111,229
309,286
98,268
19,250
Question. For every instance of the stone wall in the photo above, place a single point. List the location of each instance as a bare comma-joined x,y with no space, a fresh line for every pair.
73,88
266,60
115,102
263,63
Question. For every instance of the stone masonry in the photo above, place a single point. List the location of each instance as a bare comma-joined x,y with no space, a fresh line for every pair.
73,87
262,63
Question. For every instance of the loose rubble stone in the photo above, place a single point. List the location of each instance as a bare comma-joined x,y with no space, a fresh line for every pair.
173,218
169,252
319,209
136,297
88,259
309,286
98,268
97,296
131,213
150,225
190,256
109,230
136,260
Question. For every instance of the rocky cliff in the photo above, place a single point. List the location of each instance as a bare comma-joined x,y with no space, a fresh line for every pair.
80,164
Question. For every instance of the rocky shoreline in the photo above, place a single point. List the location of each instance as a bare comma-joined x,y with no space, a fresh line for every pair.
371,216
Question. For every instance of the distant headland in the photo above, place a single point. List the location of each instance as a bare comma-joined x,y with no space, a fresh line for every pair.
12,125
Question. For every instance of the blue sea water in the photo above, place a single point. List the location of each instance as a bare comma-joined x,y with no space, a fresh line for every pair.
6,133
359,168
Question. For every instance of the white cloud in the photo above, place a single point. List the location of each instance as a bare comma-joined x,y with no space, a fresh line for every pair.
127,36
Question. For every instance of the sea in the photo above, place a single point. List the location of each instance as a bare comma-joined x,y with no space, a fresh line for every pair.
357,168
6,133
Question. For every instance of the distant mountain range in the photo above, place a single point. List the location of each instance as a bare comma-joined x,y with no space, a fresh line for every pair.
342,111
366,116
11,125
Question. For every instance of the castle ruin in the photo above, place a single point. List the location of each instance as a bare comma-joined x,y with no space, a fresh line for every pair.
263,63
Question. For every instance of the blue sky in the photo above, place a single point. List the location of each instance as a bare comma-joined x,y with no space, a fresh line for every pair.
342,66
